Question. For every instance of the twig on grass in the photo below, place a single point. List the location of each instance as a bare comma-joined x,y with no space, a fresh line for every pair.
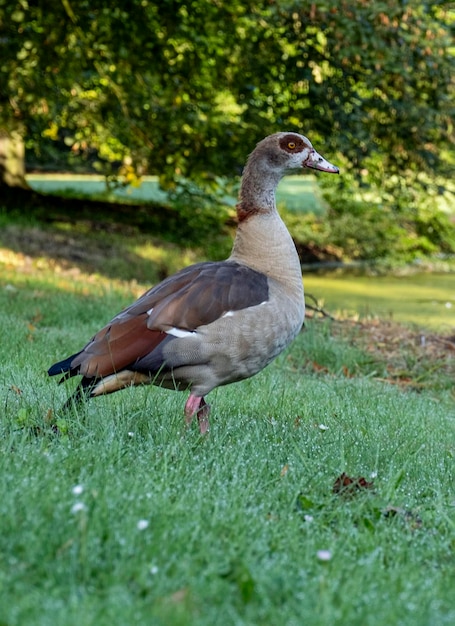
316,308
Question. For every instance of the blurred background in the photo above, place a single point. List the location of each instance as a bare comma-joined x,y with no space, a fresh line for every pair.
143,114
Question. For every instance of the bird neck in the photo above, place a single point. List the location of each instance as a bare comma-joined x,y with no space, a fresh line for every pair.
257,192
263,243
262,240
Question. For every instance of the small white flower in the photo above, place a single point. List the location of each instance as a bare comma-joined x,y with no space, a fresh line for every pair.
154,570
323,427
373,475
142,524
308,518
130,434
77,490
324,555
77,507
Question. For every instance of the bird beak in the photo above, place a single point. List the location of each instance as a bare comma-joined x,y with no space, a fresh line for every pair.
316,162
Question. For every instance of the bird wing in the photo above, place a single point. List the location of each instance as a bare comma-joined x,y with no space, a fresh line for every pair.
194,297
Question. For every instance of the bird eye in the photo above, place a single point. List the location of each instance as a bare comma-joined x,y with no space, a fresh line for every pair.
291,145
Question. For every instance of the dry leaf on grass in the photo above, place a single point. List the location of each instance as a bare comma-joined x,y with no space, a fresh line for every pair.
347,486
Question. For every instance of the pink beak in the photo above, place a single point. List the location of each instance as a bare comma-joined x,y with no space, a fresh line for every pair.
316,162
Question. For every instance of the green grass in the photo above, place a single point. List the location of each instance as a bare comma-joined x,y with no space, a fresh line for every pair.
427,299
93,186
127,517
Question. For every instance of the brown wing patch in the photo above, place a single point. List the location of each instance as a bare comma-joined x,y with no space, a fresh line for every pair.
196,296
116,346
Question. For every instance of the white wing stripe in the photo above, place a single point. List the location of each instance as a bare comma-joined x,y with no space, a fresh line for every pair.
180,333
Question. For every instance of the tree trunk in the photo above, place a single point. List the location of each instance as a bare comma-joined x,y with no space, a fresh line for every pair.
12,160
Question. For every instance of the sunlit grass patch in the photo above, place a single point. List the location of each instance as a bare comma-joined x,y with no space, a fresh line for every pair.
93,186
427,300
69,249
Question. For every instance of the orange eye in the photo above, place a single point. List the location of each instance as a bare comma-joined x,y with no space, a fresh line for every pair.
291,145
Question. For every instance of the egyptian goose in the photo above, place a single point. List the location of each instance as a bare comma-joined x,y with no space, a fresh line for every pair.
212,323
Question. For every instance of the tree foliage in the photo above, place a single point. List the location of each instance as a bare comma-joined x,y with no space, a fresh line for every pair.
186,89
177,83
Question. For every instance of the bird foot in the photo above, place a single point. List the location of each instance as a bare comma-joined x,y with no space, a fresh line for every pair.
196,405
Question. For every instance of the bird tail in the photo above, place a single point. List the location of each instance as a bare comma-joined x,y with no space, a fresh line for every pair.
64,367
82,391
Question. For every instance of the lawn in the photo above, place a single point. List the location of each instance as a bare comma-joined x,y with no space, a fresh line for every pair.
117,514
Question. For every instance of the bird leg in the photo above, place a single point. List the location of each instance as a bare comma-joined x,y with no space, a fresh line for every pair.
196,405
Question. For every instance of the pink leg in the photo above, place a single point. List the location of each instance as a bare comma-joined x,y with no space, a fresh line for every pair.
196,405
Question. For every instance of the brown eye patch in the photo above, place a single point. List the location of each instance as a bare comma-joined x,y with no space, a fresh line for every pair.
293,143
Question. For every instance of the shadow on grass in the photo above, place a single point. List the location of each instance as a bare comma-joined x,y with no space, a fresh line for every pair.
112,254
144,242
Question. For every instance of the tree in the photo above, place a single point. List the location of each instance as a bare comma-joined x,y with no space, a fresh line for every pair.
142,79
12,164
188,88
348,73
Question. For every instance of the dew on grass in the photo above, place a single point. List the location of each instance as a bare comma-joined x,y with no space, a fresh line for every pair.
142,524
324,555
78,507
